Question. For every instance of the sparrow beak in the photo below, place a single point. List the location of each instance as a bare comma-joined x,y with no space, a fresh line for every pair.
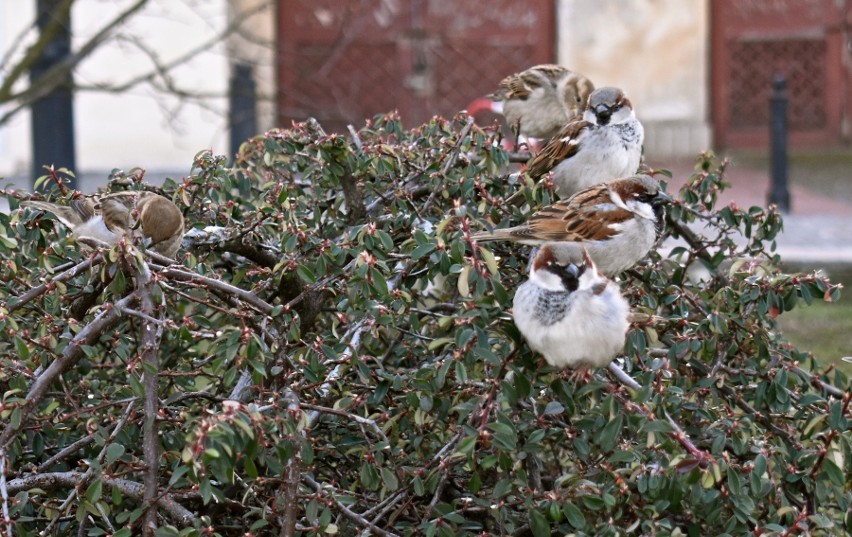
661,198
603,113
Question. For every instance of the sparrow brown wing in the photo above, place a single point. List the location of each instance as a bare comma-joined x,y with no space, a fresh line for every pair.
115,214
521,85
588,216
83,208
559,148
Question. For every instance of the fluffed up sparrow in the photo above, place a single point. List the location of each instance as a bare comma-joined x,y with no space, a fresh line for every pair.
618,222
570,313
538,101
603,144
109,217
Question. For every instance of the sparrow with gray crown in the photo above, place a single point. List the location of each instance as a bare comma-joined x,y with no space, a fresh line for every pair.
605,143
538,101
618,222
109,217
569,312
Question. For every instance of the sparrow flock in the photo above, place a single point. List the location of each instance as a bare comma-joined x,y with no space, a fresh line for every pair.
608,217
107,218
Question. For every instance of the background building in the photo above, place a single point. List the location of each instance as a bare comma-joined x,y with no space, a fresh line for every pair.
698,71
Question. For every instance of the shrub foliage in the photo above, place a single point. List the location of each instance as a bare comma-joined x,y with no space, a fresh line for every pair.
333,354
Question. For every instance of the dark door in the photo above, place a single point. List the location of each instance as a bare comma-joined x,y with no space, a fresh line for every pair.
805,40
342,61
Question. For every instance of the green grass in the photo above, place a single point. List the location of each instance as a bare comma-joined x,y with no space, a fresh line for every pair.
825,329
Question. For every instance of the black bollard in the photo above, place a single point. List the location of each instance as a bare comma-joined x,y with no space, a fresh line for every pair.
779,194
53,114
242,115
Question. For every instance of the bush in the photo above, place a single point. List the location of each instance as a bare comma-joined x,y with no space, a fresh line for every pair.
333,355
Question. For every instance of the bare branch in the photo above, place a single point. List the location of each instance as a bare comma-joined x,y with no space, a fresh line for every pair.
67,451
348,513
623,377
61,277
178,273
36,51
135,491
109,316
86,478
161,69
58,74
5,493
152,333
289,492
354,417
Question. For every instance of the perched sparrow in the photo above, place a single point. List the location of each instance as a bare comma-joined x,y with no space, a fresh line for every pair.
604,144
618,222
538,101
570,313
109,217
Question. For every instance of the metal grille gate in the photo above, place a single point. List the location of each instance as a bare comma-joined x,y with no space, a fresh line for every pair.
806,41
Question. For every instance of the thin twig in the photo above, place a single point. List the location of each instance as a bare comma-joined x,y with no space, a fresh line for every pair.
354,417
89,474
289,490
623,377
40,289
178,273
348,513
109,316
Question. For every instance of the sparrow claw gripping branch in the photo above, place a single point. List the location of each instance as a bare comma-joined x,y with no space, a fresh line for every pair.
109,217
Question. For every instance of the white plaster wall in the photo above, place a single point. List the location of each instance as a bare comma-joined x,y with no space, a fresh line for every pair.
657,52
139,127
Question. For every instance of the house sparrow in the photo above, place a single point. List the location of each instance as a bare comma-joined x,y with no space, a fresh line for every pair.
569,312
603,144
538,101
108,217
618,222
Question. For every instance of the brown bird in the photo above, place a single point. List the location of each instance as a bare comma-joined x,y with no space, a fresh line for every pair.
537,102
617,222
604,143
569,312
109,217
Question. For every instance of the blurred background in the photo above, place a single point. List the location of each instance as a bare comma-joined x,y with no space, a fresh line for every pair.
93,85
151,78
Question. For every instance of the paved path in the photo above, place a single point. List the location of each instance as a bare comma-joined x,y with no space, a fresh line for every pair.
817,229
